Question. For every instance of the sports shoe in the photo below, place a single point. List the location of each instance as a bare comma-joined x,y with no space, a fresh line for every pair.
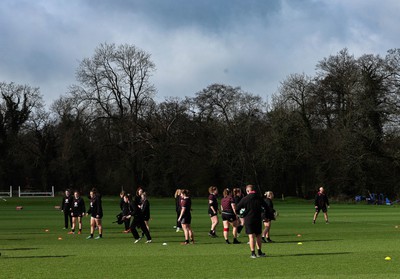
227,241
269,240
98,237
313,221
137,240
253,256
71,232
148,241
185,243
327,222
263,239
261,255
178,229
89,237
127,231
235,241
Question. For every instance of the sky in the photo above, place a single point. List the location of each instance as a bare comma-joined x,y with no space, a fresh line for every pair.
253,44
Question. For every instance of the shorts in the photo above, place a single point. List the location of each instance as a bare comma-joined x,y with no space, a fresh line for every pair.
268,217
98,218
230,217
76,215
211,213
324,209
186,220
253,228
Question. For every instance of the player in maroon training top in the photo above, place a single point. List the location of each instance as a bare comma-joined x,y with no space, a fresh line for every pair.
229,215
185,218
213,209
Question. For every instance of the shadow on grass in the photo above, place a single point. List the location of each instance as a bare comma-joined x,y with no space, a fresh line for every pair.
34,257
18,249
310,254
304,241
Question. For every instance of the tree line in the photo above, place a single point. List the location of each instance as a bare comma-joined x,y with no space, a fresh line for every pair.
338,128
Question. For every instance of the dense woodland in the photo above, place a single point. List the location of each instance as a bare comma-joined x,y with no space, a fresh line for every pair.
339,128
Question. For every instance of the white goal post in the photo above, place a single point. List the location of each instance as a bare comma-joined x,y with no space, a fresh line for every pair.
8,194
35,194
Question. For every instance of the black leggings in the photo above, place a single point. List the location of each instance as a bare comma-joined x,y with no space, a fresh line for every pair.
67,216
178,224
139,222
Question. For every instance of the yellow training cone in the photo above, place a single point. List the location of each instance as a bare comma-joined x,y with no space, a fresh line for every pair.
300,243
388,258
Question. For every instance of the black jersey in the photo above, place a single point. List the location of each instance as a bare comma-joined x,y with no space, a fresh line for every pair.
121,203
78,207
253,206
126,209
66,204
146,209
135,207
96,208
178,203
212,202
268,213
321,200
237,199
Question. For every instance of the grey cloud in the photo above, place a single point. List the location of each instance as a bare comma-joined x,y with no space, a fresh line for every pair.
254,44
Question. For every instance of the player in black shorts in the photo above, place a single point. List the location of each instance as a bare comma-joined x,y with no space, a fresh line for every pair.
253,205
229,215
268,216
77,212
237,196
96,212
213,209
185,217
321,203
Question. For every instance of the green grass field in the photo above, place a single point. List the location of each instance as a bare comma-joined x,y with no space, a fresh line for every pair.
353,245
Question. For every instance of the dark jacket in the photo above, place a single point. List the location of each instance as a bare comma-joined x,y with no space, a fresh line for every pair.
96,208
66,204
321,200
253,205
269,213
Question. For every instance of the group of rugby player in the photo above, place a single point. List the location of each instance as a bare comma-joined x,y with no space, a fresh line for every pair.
74,209
237,211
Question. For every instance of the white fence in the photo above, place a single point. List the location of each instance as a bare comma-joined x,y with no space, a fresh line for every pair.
9,194
35,194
